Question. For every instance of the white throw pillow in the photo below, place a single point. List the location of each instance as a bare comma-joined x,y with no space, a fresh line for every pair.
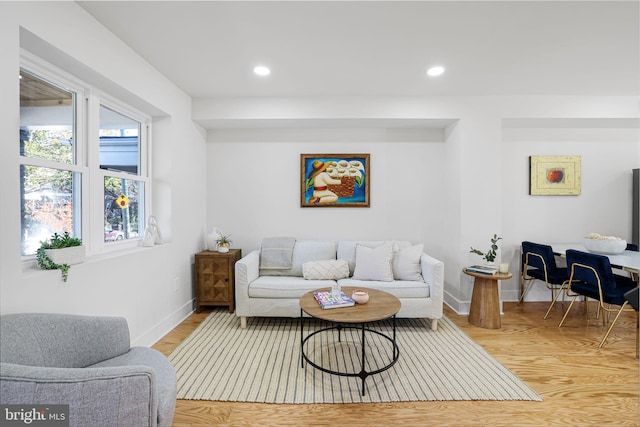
329,269
406,263
374,264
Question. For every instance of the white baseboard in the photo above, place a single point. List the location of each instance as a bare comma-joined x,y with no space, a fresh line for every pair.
460,307
163,327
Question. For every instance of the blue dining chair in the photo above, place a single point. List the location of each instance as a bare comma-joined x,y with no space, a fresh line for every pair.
591,276
539,262
633,296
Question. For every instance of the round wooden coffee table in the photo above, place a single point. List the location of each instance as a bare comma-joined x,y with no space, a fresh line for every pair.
381,306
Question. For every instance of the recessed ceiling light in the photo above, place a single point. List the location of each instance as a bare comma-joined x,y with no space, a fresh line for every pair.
435,71
261,70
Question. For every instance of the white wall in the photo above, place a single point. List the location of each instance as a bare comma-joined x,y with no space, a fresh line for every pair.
254,186
457,186
139,285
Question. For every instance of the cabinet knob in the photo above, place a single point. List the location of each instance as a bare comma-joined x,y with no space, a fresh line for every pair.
226,279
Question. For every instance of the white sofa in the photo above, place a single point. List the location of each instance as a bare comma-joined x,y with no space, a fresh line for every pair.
417,278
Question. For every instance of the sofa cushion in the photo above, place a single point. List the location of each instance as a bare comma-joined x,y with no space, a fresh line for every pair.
406,263
328,269
398,288
374,264
285,287
304,251
347,250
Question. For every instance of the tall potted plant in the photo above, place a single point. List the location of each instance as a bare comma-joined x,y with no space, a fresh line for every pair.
59,252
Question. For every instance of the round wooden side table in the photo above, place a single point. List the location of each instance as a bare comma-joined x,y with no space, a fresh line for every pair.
485,301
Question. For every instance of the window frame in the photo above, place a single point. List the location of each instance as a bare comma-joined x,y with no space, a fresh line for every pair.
88,100
144,175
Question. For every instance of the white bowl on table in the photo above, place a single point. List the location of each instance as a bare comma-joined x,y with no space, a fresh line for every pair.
605,246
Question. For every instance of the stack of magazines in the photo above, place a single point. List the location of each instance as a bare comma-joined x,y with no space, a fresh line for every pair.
329,300
482,269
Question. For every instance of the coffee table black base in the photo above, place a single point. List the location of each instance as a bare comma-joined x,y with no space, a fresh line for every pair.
363,374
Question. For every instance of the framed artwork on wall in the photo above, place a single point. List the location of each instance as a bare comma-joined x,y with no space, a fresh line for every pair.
554,175
334,180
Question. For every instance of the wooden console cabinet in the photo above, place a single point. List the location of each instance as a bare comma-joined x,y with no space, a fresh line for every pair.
215,278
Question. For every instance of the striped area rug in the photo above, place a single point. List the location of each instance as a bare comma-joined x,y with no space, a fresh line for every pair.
219,361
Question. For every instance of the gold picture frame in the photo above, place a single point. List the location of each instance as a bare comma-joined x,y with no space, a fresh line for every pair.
555,175
334,180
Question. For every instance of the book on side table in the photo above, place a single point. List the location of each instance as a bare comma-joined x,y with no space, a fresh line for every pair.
328,300
482,269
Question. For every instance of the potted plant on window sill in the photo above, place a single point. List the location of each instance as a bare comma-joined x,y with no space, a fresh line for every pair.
223,242
490,256
60,252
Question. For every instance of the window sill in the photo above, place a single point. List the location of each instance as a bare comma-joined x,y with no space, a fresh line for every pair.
30,266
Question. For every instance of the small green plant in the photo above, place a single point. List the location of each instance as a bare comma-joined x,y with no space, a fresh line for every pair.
490,256
224,240
56,242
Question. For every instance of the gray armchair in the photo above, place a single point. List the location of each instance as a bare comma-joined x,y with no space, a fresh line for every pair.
87,363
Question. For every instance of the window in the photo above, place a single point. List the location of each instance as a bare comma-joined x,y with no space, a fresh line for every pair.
120,158
50,179
83,162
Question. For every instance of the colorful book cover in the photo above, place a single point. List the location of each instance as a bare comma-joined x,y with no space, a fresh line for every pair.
328,300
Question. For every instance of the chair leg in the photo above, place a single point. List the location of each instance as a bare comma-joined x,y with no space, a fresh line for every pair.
567,312
525,288
586,307
612,325
553,302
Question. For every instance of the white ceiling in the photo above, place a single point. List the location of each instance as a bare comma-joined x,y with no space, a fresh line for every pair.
209,48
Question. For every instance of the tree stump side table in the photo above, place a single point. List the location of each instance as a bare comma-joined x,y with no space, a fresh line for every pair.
485,301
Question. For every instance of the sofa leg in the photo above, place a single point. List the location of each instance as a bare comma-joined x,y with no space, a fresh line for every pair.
434,324
243,322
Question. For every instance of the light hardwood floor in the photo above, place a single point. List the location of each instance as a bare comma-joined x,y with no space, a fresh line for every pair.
581,385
